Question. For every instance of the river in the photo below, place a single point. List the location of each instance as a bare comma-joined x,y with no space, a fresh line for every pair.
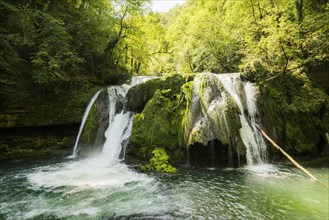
94,189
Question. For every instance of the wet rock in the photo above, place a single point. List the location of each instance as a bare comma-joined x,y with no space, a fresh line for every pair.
93,134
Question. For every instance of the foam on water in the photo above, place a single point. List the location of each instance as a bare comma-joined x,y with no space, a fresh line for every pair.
262,168
252,192
105,169
93,173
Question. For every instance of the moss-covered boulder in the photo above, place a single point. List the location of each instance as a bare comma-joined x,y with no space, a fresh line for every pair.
159,162
139,95
184,116
160,123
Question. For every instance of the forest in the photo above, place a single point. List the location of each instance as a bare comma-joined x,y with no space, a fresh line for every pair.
110,110
51,48
60,40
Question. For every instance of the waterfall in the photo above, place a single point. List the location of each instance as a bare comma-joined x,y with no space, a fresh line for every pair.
85,116
223,108
120,121
119,129
252,139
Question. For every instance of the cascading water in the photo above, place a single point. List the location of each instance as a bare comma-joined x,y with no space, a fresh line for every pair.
119,128
103,169
118,133
101,187
223,108
252,139
85,116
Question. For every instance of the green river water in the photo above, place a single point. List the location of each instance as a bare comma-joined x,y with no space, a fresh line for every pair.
94,189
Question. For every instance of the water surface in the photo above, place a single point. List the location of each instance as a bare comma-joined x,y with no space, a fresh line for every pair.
93,189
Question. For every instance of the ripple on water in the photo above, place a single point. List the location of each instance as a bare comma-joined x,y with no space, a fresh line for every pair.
72,190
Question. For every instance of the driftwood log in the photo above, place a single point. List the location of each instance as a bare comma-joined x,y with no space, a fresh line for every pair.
286,154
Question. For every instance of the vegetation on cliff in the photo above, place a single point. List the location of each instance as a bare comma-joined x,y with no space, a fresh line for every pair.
55,54
160,123
159,162
282,46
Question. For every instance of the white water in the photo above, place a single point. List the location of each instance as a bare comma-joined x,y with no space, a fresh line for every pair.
120,123
105,169
85,116
119,129
89,173
103,188
252,139
250,93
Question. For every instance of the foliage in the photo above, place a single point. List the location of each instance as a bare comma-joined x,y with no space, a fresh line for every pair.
63,40
278,44
159,162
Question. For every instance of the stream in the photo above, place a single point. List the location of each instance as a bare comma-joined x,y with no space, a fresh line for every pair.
93,189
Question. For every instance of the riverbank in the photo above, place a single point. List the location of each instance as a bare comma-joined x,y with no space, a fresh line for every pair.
37,142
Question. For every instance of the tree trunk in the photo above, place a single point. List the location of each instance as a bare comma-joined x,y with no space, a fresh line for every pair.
286,154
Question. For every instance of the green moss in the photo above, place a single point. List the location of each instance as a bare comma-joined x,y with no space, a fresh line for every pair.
232,116
301,139
139,95
159,162
86,137
160,124
187,89
297,111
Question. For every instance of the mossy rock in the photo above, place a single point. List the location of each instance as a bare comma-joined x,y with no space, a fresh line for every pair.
93,134
294,114
159,162
212,116
160,124
139,95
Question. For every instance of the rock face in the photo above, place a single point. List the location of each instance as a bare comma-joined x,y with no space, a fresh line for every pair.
27,107
93,134
296,115
159,124
213,122
33,105
21,143
195,119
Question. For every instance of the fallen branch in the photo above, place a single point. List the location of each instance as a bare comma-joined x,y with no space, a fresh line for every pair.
286,154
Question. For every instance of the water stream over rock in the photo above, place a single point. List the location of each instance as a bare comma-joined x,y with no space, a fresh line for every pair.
101,186
223,108
85,116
